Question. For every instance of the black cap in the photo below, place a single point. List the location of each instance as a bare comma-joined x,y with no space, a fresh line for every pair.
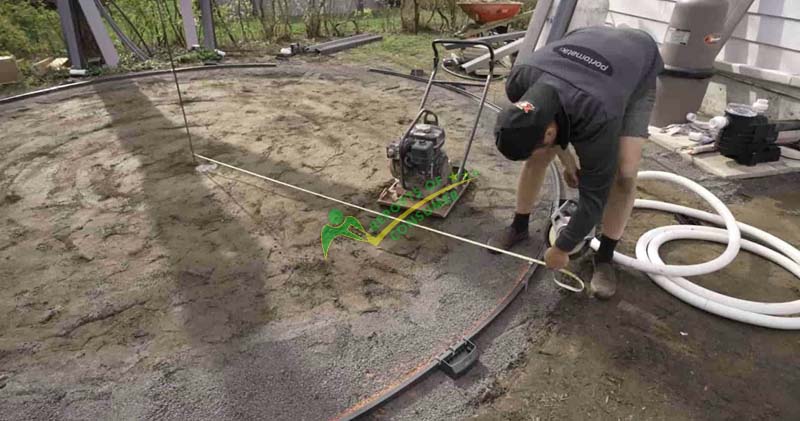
520,127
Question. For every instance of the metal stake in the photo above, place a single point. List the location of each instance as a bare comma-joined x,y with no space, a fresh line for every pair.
177,85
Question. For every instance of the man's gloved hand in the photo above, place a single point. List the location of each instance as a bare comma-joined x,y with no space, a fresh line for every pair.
555,258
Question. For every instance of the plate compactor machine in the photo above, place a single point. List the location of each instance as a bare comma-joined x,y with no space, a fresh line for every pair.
420,166
418,161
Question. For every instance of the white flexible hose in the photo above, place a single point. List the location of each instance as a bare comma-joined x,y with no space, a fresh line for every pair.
790,153
672,277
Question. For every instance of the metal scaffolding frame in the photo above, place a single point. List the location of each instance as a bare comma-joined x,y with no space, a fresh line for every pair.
97,16
189,29
69,28
101,36
141,55
207,19
524,45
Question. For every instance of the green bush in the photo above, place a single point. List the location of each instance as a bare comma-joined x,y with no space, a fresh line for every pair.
27,31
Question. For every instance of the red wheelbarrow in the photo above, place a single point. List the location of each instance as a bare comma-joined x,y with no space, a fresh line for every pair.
483,13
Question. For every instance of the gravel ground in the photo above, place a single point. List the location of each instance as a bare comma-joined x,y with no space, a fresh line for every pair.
136,287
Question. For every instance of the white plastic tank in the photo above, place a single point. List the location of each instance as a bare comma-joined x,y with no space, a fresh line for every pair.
688,49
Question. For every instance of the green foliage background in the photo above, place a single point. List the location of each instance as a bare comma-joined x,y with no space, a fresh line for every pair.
31,31
28,31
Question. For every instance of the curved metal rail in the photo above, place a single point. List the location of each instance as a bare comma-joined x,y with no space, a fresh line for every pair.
128,76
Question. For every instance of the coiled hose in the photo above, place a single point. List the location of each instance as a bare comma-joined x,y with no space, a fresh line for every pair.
672,277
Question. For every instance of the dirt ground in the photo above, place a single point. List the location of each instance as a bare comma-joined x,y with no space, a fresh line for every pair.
134,287
645,354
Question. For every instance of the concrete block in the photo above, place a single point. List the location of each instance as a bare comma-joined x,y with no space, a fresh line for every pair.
9,73
726,66
765,74
723,89
667,141
727,168
721,166
715,100
792,163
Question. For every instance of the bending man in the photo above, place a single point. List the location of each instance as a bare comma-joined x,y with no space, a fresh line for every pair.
595,89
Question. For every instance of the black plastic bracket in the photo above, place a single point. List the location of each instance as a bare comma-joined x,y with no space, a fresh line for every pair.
458,358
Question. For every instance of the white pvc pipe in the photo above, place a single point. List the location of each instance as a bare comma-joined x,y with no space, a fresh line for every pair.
671,277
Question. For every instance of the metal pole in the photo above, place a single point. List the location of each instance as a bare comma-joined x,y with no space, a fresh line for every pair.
561,20
492,39
475,125
110,55
428,86
177,85
499,53
535,27
189,29
207,16
524,46
349,43
120,34
323,45
67,17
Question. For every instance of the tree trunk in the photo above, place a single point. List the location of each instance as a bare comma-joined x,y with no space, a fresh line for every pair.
409,15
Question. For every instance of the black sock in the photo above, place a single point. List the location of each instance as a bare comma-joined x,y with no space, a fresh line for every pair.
606,251
520,223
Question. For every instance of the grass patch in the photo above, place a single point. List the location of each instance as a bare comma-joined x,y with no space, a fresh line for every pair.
395,51
398,50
